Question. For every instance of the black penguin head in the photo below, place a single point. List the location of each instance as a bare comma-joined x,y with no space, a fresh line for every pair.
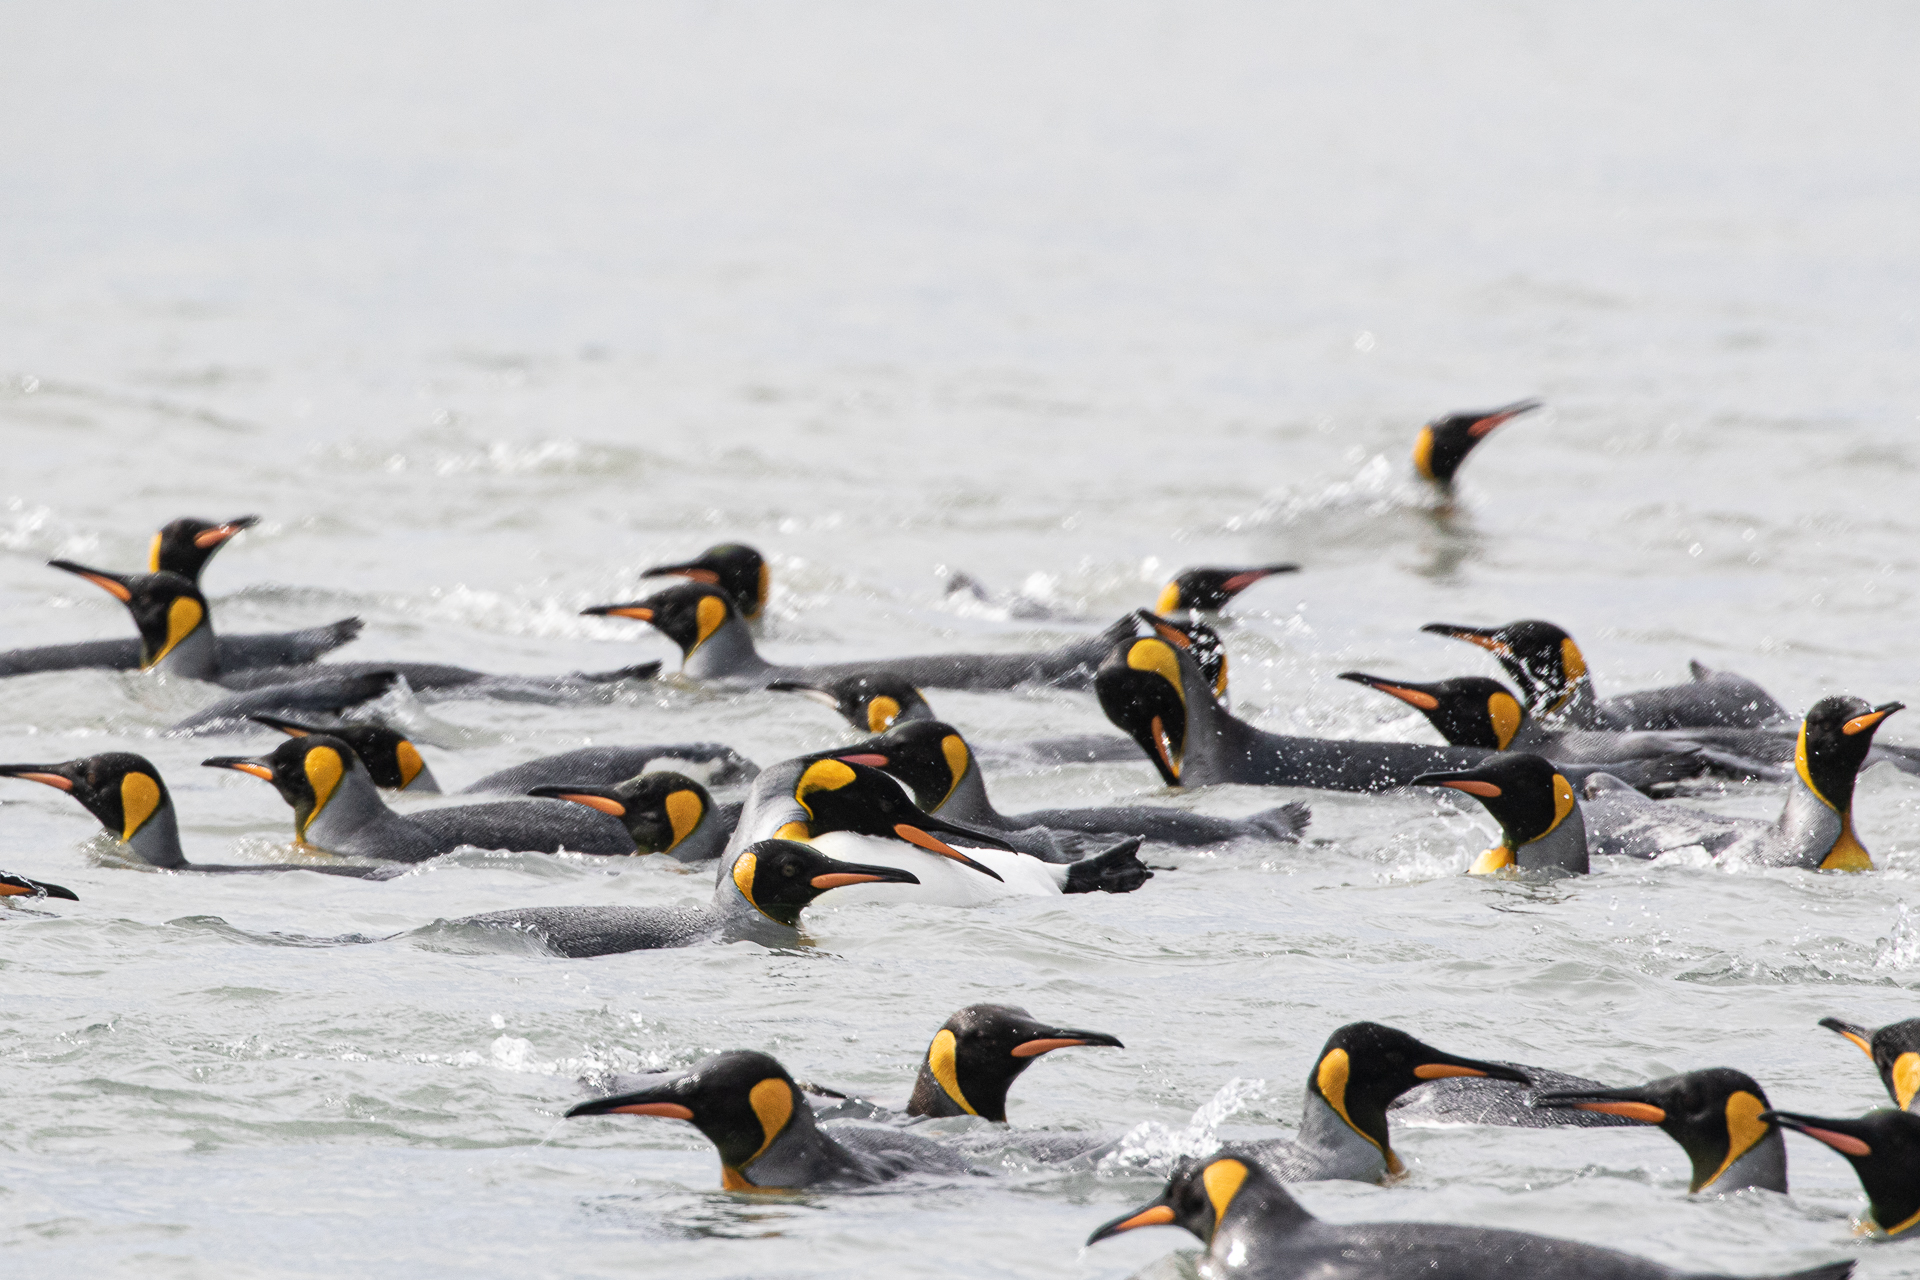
1213,1191
1444,443
1526,795
166,607
1895,1050
305,771
119,788
185,545
742,1101
779,877
929,756
1834,741
1715,1115
659,810
1538,656
735,568
1364,1066
979,1052
1196,639
392,761
838,796
1884,1149
686,615
872,703
12,886
1470,711
1140,688
1211,588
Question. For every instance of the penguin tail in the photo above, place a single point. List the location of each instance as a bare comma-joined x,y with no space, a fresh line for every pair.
638,671
1284,823
1118,870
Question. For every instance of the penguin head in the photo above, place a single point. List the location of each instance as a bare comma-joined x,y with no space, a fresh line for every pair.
1198,640
1834,741
1884,1149
1895,1050
122,790
688,614
741,1101
779,877
838,796
979,1052
185,545
1212,1192
659,810
1212,588
1444,443
307,772
1364,1066
1541,658
928,756
1715,1115
735,568
1471,711
392,761
1141,689
873,702
1528,796
166,607
12,886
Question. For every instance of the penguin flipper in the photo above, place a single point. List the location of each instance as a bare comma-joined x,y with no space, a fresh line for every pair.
321,692
108,655
1118,870
285,648
1287,822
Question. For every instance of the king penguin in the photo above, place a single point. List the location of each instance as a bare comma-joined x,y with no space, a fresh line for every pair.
664,812
1443,444
734,567
1209,589
1716,1116
1884,1149
1541,826
1895,1051
13,886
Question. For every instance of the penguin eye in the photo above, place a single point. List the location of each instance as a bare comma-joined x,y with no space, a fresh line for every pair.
789,868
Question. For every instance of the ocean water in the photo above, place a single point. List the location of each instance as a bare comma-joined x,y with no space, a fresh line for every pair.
484,308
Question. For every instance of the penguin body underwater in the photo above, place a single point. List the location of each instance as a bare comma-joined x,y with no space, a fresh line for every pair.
130,799
860,813
760,900
1443,444
664,812
1884,1149
184,546
1553,678
936,764
1895,1052
1715,1116
748,1106
734,567
716,644
1254,1230
336,807
1151,688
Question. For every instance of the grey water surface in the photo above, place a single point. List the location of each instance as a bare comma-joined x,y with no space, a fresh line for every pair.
485,307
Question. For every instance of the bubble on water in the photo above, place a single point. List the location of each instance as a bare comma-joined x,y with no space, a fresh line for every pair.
1900,949
1156,1147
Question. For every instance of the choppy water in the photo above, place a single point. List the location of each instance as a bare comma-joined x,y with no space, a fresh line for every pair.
485,307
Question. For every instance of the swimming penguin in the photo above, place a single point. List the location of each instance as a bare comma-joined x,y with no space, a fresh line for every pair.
337,808
1552,674
307,691
715,644
759,900
1361,1069
979,1052
13,886
664,812
1208,589
870,701
1151,689
177,638
1815,827
1884,1149
1895,1050
734,567
1255,1230
184,547
392,761
825,800
749,1108
1444,443
938,766
1715,1116
714,763
1541,827
126,793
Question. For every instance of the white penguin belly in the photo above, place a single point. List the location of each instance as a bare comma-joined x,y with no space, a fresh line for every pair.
942,880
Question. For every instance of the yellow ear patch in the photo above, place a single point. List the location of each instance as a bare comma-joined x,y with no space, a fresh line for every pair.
183,615
1332,1080
1906,1079
772,1102
954,748
766,584
708,615
881,713
1423,452
1158,657
324,769
744,869
1562,803
1169,599
408,758
1572,661
1222,1180
1503,711
822,775
684,812
139,797
940,1060
1744,1128
153,555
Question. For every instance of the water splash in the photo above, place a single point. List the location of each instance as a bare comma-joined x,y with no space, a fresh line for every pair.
1900,949
1155,1147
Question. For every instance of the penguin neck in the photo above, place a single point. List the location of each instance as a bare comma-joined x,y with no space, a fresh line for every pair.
727,652
799,1156
1893,1201
1811,833
196,656
424,782
707,839
157,842
1344,1152
1762,1165
1214,735
968,801
1562,849
1568,704
1261,1217
930,1099
352,813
